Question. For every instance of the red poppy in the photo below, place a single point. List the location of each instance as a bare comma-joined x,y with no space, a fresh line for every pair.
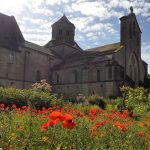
92,112
44,127
21,128
55,115
140,134
51,123
68,122
2,105
110,116
13,106
93,134
81,115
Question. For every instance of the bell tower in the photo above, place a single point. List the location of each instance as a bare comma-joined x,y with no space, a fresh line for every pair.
130,38
130,35
63,31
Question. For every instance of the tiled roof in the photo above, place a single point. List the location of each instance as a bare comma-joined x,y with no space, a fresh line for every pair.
63,19
109,47
36,47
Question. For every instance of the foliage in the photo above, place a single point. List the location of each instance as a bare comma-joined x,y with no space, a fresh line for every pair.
136,100
37,99
42,86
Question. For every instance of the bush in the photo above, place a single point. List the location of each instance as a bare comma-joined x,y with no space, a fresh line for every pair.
97,100
136,100
42,86
34,98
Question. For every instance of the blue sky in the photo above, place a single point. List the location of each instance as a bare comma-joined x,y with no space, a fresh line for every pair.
97,21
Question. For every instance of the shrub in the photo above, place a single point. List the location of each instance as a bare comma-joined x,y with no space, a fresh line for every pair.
42,86
34,98
97,100
135,100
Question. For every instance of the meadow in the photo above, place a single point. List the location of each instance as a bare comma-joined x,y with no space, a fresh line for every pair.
37,120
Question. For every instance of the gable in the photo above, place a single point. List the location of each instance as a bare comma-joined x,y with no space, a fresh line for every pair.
10,34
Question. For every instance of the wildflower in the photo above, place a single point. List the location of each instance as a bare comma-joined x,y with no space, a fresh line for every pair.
51,123
68,122
93,134
21,128
55,115
101,111
110,116
44,127
7,108
44,138
58,147
81,115
2,105
92,112
122,116
13,106
140,134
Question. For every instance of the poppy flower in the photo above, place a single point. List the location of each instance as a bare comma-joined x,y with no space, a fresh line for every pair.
13,106
68,122
93,134
2,105
51,123
44,127
140,134
92,112
21,128
55,115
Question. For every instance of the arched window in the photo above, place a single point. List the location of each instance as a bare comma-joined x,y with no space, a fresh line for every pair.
98,75
75,77
135,74
57,78
38,74
130,70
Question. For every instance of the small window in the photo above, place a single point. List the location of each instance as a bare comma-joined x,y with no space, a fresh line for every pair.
67,32
134,28
38,75
98,75
130,31
11,58
110,72
60,32
75,76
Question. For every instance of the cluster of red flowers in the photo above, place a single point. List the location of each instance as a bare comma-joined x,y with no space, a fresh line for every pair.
98,118
65,119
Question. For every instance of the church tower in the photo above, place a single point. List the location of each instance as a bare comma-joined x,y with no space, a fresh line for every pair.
63,31
130,38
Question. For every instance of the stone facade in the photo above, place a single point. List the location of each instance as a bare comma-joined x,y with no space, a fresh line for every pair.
69,69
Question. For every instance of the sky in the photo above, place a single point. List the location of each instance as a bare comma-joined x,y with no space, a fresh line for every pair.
96,21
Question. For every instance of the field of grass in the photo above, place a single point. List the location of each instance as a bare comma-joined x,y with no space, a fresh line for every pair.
73,127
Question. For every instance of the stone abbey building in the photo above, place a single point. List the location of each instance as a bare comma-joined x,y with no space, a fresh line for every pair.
67,67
